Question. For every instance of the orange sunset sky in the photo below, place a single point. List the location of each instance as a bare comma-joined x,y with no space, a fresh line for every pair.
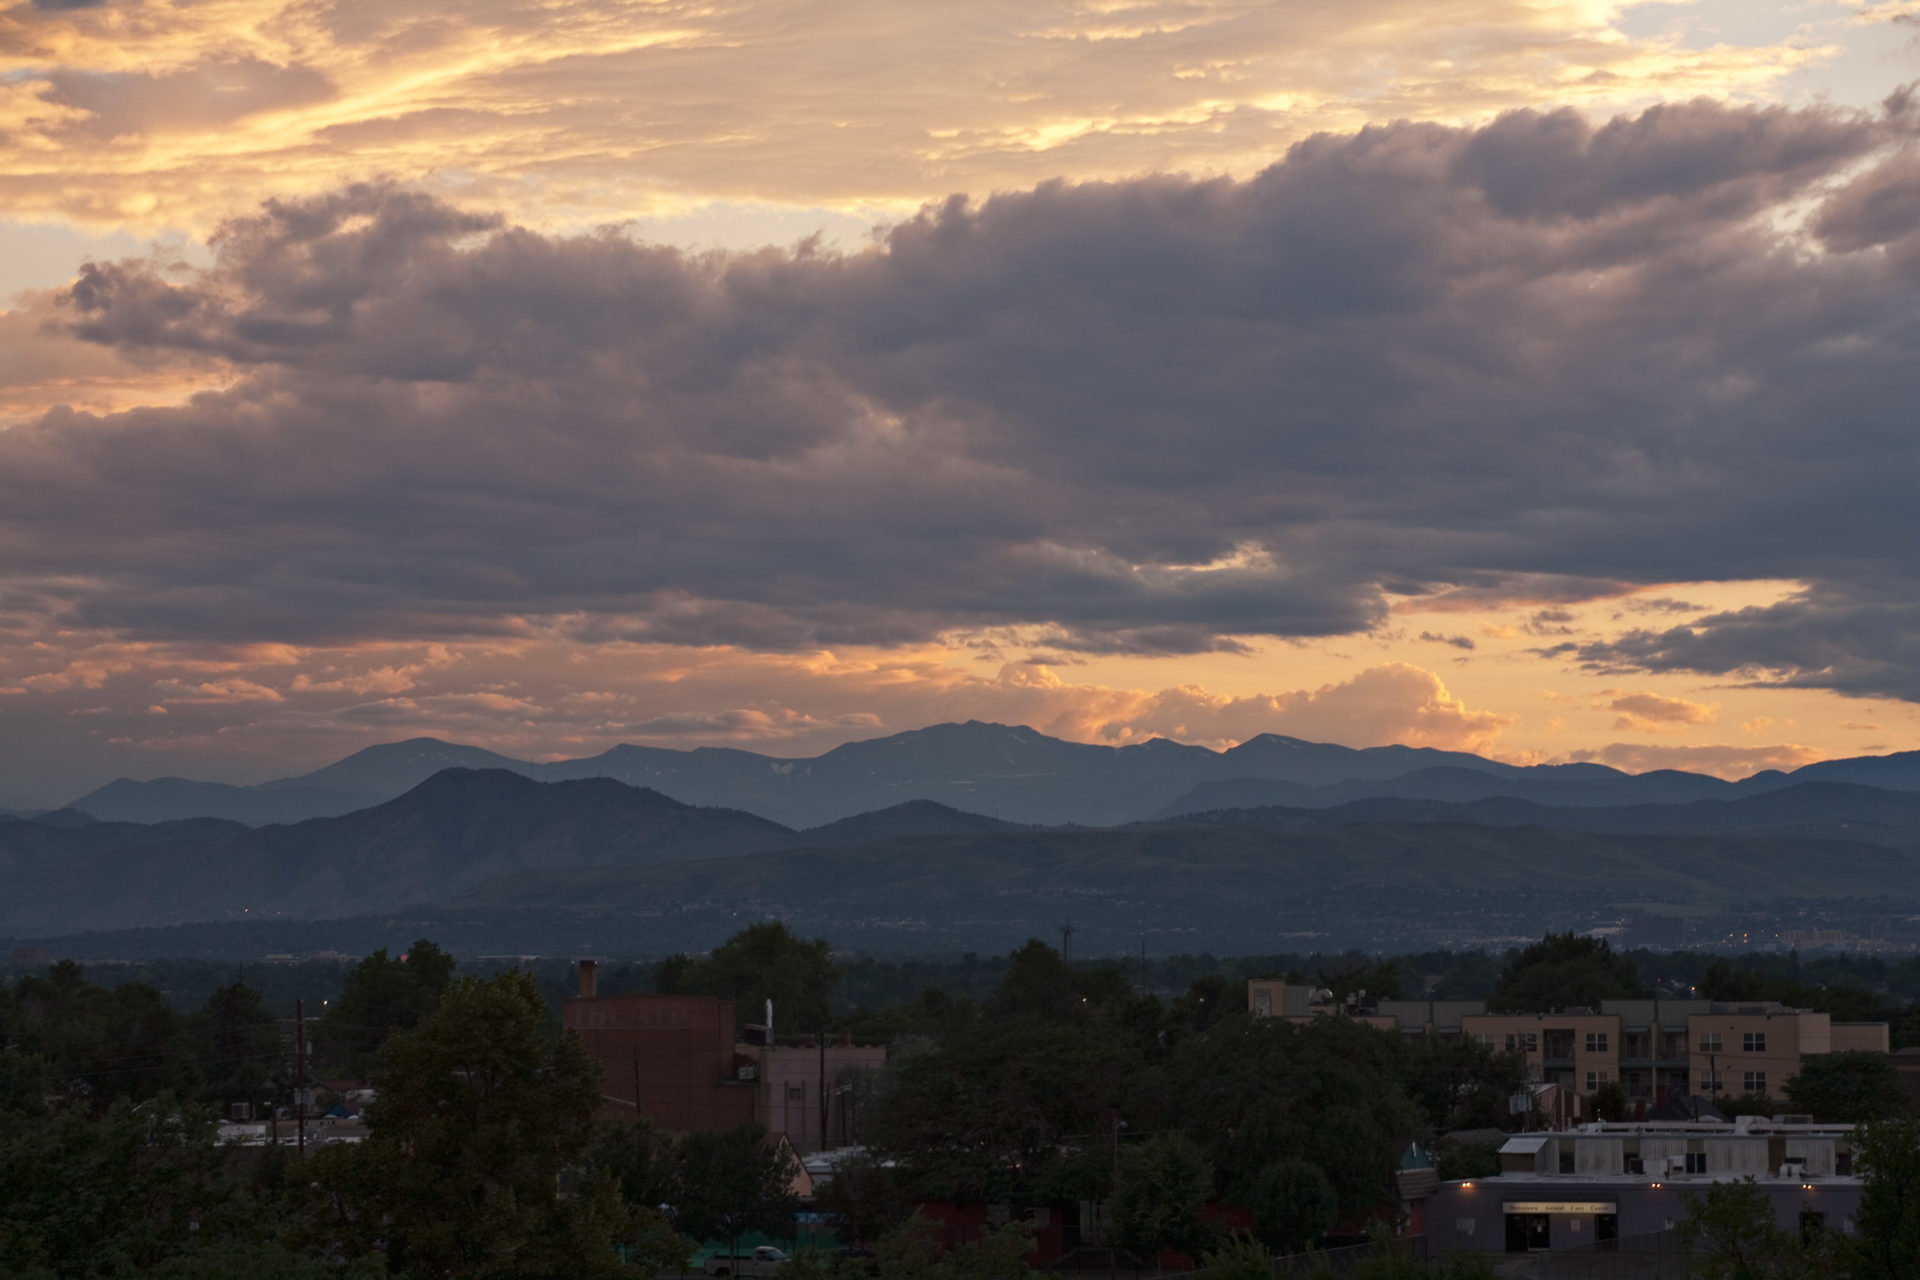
1530,377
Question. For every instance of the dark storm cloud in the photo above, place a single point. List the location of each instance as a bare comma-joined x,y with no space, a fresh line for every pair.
1140,416
1857,640
1880,208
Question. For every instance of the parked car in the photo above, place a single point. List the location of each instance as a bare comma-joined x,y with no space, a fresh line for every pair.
763,1261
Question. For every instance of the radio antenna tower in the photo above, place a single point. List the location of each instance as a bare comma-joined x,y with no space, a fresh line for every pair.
1066,941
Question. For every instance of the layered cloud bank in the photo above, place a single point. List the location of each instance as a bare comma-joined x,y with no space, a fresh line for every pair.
1529,364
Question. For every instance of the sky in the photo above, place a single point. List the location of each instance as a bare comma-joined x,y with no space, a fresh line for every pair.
1533,377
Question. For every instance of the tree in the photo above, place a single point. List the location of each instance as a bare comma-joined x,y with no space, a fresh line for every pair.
118,1194
913,1251
479,1113
1010,1112
864,1199
1207,1000
1293,1205
382,996
1610,1102
730,1182
99,1045
1564,971
1240,1257
1461,1083
1330,1092
1160,1196
1848,1088
762,962
1459,1160
1380,981
243,1055
1734,1236
1038,985
1886,1244
638,1157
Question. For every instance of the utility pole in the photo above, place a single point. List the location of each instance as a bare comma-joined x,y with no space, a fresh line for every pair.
823,1086
1066,941
300,1070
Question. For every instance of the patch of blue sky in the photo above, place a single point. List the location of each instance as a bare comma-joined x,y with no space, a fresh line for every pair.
1869,59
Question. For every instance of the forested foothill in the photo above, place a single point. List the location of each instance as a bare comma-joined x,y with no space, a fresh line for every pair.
1206,1135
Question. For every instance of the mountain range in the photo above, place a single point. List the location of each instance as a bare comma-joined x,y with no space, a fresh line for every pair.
494,841
1008,773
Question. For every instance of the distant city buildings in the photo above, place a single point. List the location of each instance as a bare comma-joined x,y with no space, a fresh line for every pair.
1657,1050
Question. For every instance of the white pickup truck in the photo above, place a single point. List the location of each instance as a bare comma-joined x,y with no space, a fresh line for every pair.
763,1261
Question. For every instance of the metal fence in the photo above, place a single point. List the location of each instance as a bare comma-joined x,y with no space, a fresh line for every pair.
1659,1255
1338,1262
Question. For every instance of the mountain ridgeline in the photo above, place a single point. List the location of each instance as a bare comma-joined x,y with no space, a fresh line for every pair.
1008,773
492,844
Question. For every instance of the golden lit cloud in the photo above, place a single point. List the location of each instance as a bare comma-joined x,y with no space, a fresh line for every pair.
579,111
1654,712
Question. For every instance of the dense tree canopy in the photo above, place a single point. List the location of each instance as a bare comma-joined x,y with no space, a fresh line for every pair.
480,1111
1160,1196
1848,1088
761,962
383,995
1565,971
1052,1084
730,1182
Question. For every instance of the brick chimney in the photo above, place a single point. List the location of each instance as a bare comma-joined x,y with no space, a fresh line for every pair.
589,980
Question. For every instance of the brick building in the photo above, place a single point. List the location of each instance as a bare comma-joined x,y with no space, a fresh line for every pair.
676,1060
671,1058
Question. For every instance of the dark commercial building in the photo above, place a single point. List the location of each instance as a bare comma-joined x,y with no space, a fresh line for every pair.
1604,1183
671,1058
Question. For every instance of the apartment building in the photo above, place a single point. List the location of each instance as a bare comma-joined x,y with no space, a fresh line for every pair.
1655,1049
1655,1046
1578,1051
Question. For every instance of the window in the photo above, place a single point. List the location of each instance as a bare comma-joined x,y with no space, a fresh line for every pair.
1754,1042
1566,1161
1523,1040
1696,1162
1754,1082
1262,1003
1711,1082
1709,1042
1596,1042
1595,1079
1481,1037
